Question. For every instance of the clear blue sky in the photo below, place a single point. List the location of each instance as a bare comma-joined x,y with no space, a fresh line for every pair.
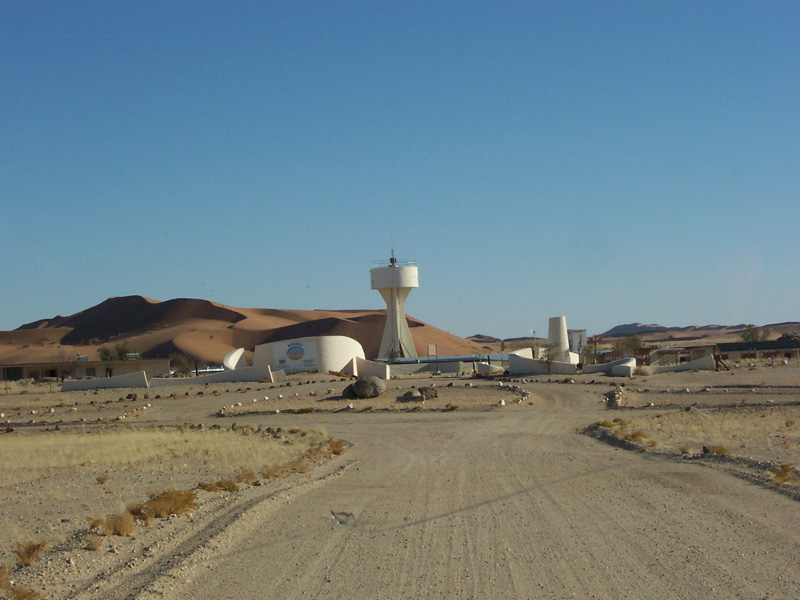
608,161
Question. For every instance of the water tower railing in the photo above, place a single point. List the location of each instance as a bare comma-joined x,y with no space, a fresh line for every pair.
379,264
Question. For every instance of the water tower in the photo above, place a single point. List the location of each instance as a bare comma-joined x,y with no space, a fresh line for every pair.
394,280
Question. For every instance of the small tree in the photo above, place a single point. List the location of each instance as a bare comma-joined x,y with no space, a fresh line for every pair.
68,361
122,350
754,334
105,354
589,351
628,345
181,363
550,357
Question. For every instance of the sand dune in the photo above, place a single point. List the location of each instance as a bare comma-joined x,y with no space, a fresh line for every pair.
204,330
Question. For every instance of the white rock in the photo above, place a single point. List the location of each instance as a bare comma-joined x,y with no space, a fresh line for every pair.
502,402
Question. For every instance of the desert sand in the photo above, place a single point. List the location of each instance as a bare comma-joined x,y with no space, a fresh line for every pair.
480,501
203,330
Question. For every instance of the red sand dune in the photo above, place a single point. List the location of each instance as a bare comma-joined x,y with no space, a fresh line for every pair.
204,330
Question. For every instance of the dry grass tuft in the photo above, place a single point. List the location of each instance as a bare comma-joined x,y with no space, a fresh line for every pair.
275,472
635,436
449,406
784,475
121,524
140,512
170,502
298,466
24,594
5,571
715,450
94,543
337,446
227,485
305,410
28,552
315,455
246,476
685,450
606,424
101,479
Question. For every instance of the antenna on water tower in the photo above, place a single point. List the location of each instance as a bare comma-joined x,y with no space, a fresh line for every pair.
395,280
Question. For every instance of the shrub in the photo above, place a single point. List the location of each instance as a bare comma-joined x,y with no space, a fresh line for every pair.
305,410
685,450
246,476
24,594
337,446
274,472
170,502
315,455
785,474
120,524
227,485
5,571
28,552
635,436
606,424
93,543
298,466
715,450
208,487
140,512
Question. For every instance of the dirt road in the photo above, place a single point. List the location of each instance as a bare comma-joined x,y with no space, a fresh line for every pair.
511,503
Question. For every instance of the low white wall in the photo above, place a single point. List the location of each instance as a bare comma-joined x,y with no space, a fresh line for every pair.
366,367
625,369
138,379
254,374
483,368
521,365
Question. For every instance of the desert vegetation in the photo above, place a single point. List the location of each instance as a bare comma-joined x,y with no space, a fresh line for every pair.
37,455
767,434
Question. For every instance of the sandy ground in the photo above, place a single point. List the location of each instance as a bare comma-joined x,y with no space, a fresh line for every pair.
479,502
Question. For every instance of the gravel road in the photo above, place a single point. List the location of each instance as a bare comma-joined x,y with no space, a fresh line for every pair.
507,503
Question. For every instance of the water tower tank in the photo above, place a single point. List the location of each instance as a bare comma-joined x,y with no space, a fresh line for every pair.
395,279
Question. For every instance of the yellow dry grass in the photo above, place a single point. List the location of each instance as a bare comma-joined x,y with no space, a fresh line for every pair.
28,552
767,433
34,456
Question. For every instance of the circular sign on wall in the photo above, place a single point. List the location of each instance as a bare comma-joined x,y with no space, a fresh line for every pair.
295,352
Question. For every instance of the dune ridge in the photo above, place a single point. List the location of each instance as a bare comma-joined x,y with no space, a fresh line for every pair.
201,329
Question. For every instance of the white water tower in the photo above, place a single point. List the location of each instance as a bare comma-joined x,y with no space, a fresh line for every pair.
395,280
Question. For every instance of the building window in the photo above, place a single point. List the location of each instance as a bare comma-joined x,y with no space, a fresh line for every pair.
91,372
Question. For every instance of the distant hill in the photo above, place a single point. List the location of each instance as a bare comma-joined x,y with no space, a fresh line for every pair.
653,334
695,333
203,330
